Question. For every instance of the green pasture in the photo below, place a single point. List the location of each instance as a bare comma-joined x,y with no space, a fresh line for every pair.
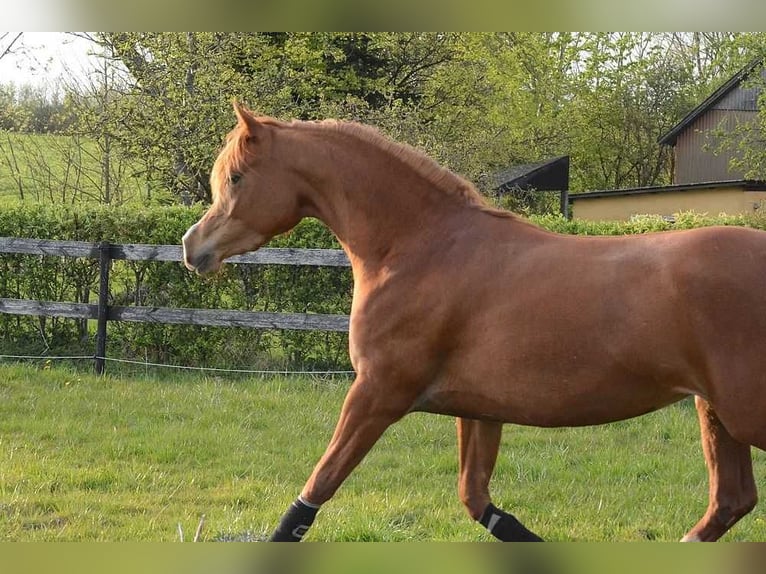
60,169
129,458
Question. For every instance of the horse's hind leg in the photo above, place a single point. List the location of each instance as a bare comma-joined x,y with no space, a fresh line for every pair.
478,444
730,468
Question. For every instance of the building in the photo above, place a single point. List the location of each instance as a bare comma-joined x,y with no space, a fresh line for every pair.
548,175
703,179
693,139
713,198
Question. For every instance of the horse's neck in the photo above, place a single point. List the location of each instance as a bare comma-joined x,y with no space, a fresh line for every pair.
377,204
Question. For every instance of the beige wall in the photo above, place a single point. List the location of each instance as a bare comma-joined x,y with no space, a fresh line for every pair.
710,201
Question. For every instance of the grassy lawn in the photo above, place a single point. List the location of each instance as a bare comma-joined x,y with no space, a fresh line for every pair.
126,457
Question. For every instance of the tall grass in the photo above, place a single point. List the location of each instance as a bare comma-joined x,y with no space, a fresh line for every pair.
130,458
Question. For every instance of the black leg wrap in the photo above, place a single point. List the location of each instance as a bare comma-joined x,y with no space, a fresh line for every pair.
505,527
295,522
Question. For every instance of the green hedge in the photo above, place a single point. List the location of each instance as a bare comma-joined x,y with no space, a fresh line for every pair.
259,288
646,223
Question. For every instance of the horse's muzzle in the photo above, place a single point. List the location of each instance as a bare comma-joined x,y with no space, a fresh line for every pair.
196,257
202,263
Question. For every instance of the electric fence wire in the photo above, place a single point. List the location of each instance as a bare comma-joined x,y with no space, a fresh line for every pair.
179,367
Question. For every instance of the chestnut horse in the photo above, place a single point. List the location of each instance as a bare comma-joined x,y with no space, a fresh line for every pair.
470,311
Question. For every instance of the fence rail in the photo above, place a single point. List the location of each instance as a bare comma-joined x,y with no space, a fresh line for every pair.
142,252
103,312
171,315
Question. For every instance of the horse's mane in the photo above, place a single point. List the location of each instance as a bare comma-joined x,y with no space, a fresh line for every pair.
447,181
235,153
429,169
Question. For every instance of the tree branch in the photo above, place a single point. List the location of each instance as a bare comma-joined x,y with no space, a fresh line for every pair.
7,49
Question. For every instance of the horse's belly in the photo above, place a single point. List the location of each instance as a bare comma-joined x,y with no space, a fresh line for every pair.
589,406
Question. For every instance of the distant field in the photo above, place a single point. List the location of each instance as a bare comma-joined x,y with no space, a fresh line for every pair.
61,169
129,458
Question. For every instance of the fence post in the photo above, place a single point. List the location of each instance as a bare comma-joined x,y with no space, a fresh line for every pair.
104,260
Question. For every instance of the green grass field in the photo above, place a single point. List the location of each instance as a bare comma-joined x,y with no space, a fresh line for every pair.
51,168
127,458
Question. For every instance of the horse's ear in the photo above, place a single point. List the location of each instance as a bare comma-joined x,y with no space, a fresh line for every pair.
246,118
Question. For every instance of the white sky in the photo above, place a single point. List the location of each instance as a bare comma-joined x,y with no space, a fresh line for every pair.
45,58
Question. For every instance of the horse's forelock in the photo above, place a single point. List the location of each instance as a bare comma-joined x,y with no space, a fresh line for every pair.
232,157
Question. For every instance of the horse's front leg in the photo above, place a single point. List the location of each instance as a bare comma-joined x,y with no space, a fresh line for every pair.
478,444
367,412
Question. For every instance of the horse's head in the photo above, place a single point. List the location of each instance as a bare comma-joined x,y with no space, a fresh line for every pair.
255,196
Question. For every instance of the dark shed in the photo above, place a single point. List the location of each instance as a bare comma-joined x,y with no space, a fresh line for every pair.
548,175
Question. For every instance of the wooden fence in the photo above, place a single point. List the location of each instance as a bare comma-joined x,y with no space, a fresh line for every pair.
103,312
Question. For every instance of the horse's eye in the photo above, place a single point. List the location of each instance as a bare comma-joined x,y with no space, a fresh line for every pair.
234,178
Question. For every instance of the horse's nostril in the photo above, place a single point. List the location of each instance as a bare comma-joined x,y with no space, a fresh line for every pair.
193,260
202,263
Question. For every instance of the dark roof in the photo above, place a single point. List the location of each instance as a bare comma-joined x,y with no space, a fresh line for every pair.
745,184
548,175
670,137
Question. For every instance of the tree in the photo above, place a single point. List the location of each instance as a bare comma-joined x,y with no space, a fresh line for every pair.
7,40
170,112
631,89
176,104
622,83
90,105
476,102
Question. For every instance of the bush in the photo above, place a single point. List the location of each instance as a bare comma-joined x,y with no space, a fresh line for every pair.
272,288
645,223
